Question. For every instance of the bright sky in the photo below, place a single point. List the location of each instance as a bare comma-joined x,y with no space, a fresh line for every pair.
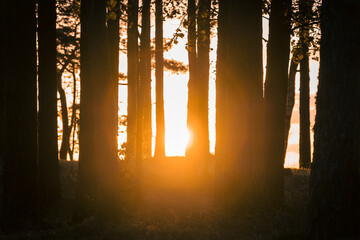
175,95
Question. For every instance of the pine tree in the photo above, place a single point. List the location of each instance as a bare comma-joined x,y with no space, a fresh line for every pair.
20,115
335,177
278,50
47,125
159,76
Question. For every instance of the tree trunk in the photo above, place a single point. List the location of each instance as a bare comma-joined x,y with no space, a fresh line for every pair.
193,81
145,71
278,50
20,121
290,102
64,147
221,105
98,170
132,54
159,76
203,64
114,40
48,148
305,9
243,98
335,179
304,144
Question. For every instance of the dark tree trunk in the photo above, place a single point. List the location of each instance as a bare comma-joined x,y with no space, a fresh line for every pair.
243,98
221,105
193,81
278,50
203,64
144,67
335,179
304,144
159,76
64,147
133,76
20,120
145,75
97,181
305,9
2,80
48,148
290,102
114,40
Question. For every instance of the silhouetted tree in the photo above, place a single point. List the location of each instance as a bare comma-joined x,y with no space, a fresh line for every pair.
47,119
198,87
20,120
203,65
133,76
145,75
192,85
290,102
68,61
335,177
221,104
243,98
305,14
98,171
278,50
114,41
159,76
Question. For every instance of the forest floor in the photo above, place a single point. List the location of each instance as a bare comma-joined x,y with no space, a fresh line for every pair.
175,209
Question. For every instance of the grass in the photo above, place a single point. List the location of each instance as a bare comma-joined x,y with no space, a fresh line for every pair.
174,209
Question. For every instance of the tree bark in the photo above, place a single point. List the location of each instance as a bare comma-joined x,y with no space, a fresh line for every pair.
133,76
159,76
278,50
335,180
20,192
48,148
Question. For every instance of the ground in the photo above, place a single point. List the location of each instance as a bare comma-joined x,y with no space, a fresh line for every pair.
174,210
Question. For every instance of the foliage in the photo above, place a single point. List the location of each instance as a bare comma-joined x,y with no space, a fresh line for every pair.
306,25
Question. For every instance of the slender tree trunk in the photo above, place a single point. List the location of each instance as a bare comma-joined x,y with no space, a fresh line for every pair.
203,64
193,81
305,144
145,75
159,75
133,76
335,178
20,120
114,40
146,72
64,147
221,104
2,80
48,148
305,9
278,51
244,97
290,102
